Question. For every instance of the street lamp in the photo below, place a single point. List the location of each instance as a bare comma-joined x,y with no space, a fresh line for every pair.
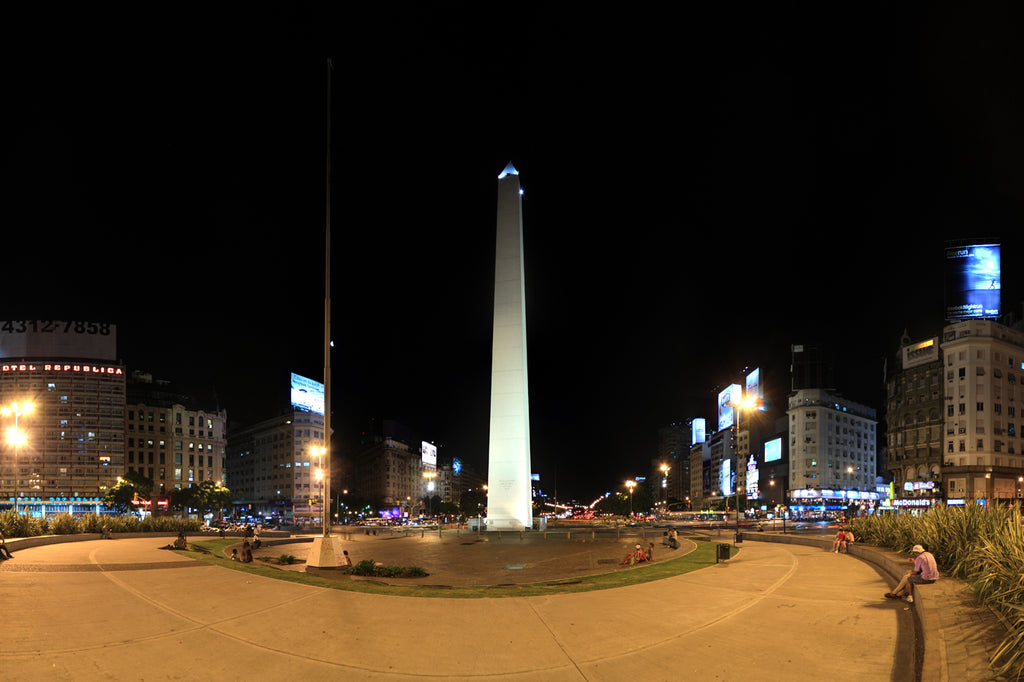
664,481
430,476
630,485
320,451
746,403
15,437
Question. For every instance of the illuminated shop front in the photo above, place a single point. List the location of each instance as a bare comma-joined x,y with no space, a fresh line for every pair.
818,502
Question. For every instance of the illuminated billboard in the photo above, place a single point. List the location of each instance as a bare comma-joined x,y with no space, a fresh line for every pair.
972,281
730,395
921,353
24,339
755,391
697,427
773,450
307,394
725,478
428,451
753,478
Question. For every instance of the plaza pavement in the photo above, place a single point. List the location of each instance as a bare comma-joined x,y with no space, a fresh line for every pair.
125,610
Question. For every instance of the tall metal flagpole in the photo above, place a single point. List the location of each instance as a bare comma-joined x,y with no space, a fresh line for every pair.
325,507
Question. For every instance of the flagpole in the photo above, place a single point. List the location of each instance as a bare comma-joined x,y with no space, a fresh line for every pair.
328,455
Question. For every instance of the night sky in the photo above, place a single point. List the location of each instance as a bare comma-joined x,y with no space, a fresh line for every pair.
701,191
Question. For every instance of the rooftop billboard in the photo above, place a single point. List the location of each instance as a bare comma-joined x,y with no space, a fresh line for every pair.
972,276
307,394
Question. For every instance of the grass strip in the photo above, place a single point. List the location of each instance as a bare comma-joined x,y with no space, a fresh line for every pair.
702,557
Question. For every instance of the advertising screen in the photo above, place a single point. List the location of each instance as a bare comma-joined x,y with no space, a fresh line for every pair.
698,428
307,394
22,339
921,353
773,450
753,476
754,389
732,393
972,281
429,453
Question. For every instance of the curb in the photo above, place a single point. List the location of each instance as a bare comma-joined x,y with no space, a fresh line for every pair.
936,658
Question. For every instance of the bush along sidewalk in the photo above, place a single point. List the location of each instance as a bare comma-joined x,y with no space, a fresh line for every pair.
370,568
983,547
16,525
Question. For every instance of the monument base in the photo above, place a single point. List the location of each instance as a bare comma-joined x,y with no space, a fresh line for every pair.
325,552
494,524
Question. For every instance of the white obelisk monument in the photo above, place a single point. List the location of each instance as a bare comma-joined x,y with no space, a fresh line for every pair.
509,504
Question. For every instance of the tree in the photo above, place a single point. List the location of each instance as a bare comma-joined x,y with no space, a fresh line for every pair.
205,497
133,486
473,502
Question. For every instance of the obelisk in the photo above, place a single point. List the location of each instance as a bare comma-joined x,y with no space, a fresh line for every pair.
509,503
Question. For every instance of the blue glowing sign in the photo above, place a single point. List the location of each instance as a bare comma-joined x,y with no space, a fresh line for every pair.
972,282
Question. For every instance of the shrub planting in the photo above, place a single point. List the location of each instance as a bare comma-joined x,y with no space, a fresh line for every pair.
982,547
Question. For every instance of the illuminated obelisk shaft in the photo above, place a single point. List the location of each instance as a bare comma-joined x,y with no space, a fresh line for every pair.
509,504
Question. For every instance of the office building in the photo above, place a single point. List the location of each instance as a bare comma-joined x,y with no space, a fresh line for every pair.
169,440
71,445
832,446
273,465
984,410
915,421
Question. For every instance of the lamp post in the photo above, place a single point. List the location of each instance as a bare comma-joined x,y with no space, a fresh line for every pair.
746,403
664,481
15,437
630,485
430,476
320,451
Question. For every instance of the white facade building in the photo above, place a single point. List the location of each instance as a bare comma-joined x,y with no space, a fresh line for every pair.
832,445
984,397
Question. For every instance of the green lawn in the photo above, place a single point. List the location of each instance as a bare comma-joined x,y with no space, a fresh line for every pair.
702,557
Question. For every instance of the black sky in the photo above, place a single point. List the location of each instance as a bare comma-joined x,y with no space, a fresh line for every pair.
702,190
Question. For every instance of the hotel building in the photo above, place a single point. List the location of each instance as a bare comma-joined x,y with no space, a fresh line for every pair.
71,445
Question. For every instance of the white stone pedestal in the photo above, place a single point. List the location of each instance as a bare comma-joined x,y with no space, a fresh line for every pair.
325,552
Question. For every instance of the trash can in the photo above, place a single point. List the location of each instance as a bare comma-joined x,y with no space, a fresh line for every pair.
723,552
739,537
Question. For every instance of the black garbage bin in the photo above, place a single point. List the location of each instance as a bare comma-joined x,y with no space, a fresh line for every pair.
723,552
739,537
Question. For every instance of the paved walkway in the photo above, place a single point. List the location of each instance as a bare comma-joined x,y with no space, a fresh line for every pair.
126,610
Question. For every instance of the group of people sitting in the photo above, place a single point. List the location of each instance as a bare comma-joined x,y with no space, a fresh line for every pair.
842,540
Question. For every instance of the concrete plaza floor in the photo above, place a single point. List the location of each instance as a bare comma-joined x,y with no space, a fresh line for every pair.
126,610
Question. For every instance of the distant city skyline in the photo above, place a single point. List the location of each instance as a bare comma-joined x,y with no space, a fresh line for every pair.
701,196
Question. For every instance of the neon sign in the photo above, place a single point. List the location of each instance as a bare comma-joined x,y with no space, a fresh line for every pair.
62,367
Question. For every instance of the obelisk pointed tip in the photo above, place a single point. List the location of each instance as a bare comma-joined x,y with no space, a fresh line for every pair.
509,170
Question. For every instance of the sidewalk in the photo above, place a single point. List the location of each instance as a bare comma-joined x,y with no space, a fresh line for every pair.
124,609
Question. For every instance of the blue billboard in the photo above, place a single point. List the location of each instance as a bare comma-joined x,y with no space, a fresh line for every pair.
972,282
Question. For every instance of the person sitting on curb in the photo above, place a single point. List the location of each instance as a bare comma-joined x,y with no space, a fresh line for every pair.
839,542
925,572
5,552
635,557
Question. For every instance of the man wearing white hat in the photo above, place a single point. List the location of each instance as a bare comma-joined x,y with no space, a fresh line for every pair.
925,573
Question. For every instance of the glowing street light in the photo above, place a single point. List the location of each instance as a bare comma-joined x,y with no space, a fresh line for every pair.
665,468
320,451
631,484
430,476
15,437
746,404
